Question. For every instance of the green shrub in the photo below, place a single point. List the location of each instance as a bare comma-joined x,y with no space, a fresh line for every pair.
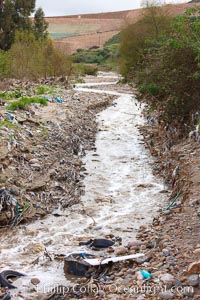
7,95
10,95
85,69
8,125
151,89
42,90
24,102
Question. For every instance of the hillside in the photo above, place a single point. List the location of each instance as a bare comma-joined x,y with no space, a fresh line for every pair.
85,31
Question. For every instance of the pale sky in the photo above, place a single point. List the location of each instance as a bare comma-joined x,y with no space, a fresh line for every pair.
71,7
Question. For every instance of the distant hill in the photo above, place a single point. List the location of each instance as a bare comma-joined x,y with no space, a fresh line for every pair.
93,30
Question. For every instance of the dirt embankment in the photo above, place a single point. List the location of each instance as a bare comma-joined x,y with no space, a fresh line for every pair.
171,244
91,30
40,156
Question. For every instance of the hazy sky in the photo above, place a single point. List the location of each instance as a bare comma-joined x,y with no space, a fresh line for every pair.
69,7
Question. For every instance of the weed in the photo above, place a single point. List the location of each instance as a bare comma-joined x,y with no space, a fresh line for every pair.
24,102
8,125
42,90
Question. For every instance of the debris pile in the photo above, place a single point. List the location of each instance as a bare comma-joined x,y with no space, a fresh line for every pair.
40,154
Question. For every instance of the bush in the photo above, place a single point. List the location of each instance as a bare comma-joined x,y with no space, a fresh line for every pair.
151,89
90,70
42,90
8,125
24,102
85,69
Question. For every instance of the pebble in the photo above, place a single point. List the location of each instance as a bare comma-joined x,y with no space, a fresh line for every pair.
120,250
141,260
101,293
193,280
166,278
35,281
194,268
14,190
166,295
166,252
34,161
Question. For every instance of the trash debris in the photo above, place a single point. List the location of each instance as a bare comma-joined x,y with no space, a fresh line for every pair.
98,243
146,274
5,277
104,261
173,202
74,264
5,296
58,99
174,175
9,204
81,264
150,120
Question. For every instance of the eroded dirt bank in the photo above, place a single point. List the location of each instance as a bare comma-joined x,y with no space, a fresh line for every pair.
40,157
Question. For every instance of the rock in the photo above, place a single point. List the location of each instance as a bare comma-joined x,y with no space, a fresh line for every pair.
135,243
141,260
14,190
38,185
120,250
166,295
166,252
33,161
193,280
101,293
36,167
35,281
166,278
196,251
194,268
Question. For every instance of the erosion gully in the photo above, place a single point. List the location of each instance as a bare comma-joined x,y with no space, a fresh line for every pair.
121,193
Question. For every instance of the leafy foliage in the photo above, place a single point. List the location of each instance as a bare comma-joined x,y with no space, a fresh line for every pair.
40,26
164,60
14,15
106,57
31,58
85,69
24,102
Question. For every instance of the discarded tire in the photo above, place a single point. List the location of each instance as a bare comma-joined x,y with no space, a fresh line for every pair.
6,275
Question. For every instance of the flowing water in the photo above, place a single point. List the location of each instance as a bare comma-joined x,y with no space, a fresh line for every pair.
121,193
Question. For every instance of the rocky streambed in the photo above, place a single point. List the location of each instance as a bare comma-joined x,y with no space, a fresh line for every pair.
115,195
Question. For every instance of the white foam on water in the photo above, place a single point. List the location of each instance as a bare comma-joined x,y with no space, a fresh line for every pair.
113,199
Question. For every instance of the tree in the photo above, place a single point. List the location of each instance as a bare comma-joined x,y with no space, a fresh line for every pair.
24,55
169,76
135,37
40,25
33,59
14,15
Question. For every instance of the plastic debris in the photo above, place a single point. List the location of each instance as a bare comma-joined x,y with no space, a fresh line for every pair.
99,261
58,99
143,275
146,274
8,203
98,243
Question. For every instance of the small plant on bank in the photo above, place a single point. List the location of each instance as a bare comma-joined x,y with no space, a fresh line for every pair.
151,89
24,102
8,125
43,90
